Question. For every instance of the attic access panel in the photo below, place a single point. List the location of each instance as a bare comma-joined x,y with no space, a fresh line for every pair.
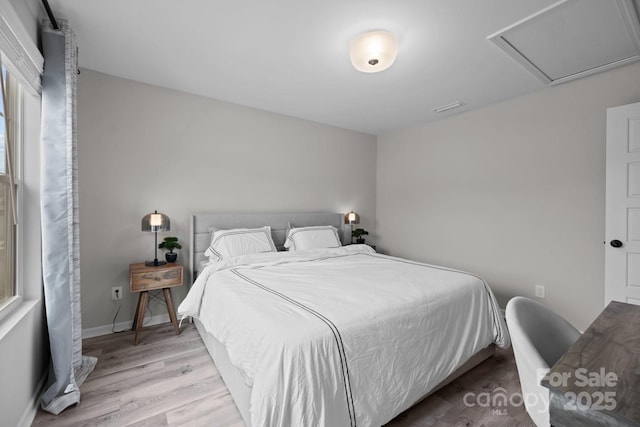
574,38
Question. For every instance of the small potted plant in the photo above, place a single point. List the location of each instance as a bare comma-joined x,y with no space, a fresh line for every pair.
358,233
170,243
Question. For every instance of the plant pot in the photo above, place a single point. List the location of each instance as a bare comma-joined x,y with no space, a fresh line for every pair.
360,241
171,256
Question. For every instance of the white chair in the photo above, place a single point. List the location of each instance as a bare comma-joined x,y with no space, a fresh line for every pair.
539,338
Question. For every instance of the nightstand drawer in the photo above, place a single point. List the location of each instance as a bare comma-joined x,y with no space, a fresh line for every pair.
146,278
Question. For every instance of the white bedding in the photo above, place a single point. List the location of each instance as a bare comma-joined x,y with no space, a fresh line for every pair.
344,336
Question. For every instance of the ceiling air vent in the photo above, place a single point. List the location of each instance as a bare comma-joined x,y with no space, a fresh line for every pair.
574,38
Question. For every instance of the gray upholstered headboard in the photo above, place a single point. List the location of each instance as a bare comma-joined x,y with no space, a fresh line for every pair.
201,236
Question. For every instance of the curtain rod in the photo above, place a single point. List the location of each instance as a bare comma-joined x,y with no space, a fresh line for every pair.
52,18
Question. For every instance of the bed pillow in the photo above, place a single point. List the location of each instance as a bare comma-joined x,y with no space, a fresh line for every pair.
321,236
239,241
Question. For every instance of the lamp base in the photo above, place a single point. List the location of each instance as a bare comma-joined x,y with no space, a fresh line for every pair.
154,263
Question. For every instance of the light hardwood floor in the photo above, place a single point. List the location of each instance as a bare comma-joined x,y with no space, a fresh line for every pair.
169,380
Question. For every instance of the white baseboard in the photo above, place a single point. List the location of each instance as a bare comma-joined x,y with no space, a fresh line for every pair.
31,410
122,326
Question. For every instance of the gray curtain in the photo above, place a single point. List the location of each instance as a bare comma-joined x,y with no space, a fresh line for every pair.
60,234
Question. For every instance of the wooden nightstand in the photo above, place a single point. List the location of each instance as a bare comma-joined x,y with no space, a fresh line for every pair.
144,279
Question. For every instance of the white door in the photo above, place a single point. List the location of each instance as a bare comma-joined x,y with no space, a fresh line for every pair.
622,253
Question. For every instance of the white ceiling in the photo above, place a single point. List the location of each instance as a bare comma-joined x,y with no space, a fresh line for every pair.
291,57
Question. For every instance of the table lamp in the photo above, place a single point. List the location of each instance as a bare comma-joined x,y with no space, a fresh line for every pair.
351,218
155,222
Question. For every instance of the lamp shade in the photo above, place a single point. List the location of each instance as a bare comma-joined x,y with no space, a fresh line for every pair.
373,51
351,218
156,221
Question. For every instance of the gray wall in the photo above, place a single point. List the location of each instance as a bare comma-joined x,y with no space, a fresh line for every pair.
514,192
143,147
31,13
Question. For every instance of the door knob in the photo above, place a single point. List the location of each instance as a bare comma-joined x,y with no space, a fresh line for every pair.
616,243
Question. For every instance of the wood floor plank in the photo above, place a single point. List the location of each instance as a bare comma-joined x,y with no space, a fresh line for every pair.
130,357
136,406
84,413
118,379
159,420
221,411
169,380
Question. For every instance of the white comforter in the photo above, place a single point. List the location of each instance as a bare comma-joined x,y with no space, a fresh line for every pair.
342,337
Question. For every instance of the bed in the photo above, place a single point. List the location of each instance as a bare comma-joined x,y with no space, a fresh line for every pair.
340,336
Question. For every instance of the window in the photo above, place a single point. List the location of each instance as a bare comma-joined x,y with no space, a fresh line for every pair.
8,206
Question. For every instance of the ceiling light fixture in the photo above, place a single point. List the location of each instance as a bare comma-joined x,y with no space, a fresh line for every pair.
373,51
449,107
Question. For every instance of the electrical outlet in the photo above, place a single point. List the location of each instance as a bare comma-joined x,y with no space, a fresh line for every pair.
540,291
116,293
